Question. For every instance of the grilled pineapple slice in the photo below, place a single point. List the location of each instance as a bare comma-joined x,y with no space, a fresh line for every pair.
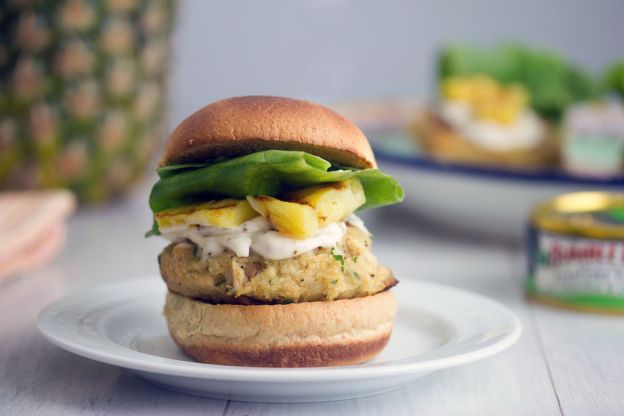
289,218
332,202
225,213
312,208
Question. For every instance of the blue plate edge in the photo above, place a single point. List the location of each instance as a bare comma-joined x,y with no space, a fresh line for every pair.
549,176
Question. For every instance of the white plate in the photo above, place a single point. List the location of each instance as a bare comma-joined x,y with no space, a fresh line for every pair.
436,327
491,201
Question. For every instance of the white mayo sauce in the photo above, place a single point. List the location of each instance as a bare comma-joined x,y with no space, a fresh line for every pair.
258,236
525,133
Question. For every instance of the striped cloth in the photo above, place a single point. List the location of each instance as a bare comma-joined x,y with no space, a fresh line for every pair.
32,228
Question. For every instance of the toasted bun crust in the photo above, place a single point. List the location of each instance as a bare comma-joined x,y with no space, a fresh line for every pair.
241,125
309,334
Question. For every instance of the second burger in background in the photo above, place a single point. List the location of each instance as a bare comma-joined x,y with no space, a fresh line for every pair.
501,107
268,265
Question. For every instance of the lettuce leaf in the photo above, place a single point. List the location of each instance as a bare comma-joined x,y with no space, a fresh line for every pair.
270,172
614,78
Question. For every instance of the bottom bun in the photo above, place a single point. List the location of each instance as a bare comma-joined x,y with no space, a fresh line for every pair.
309,334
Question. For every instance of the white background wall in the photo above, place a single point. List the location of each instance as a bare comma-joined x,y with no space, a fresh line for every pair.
337,49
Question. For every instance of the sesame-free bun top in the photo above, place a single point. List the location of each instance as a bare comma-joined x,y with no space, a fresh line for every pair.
241,125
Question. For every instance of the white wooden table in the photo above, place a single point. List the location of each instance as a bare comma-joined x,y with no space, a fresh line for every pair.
564,364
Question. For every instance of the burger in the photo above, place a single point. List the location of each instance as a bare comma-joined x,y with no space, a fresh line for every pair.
268,265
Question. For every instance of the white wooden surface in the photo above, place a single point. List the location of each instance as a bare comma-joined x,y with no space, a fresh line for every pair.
564,364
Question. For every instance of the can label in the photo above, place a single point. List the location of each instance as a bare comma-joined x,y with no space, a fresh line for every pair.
577,271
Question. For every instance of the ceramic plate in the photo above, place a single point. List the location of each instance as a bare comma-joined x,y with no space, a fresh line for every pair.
492,201
436,327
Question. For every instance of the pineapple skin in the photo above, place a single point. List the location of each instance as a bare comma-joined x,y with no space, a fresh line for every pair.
82,102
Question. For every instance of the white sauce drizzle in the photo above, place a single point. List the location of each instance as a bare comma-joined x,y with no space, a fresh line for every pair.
258,236
525,133
357,222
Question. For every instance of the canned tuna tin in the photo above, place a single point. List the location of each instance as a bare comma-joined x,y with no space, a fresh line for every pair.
576,252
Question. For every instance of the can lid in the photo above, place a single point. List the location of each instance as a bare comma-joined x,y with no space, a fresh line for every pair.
587,214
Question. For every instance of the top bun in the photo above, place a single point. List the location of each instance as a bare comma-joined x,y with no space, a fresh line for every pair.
242,125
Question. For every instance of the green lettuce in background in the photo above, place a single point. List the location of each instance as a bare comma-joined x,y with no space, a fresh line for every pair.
552,82
270,172
614,78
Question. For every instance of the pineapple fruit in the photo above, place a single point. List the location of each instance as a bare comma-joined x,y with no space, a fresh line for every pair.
333,202
300,216
81,92
225,213
312,208
289,218
488,99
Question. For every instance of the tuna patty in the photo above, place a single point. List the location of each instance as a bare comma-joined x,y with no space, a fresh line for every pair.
347,271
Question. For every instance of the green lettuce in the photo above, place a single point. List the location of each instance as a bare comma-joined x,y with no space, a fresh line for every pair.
553,83
270,173
614,78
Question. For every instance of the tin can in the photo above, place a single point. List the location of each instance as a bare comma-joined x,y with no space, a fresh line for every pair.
576,252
